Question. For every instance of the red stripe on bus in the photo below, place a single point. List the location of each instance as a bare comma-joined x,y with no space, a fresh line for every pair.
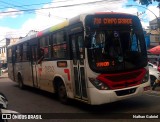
123,80
68,73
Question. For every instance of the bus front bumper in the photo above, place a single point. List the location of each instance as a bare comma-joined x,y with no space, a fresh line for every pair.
98,97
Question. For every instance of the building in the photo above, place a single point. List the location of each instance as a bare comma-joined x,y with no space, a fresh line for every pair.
154,27
3,46
3,50
154,31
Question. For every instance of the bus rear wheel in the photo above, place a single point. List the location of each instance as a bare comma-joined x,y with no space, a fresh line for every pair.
62,94
20,82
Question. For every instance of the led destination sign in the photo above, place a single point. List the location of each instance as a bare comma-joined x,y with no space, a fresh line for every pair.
110,21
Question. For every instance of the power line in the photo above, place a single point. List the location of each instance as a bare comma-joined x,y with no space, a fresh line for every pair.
33,4
31,10
16,6
23,6
72,5
27,10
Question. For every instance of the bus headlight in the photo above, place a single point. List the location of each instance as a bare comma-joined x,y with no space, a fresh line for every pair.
146,77
98,84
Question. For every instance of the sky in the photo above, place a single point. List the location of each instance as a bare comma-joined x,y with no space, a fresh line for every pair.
17,17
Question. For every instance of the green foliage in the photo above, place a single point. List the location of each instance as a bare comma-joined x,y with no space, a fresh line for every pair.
146,2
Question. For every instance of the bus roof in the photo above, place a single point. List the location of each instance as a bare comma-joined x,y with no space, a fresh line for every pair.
79,18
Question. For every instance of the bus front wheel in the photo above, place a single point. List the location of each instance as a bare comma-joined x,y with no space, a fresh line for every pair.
62,94
152,78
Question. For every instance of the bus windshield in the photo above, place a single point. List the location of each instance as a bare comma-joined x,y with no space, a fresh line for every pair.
116,50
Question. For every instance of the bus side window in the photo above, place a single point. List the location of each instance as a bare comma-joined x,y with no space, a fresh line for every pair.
25,52
59,45
19,53
9,55
44,44
81,49
41,55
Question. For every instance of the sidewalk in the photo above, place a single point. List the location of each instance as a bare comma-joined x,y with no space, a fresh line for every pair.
4,75
157,89
155,92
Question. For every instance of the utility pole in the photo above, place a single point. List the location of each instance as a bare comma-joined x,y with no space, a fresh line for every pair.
139,14
158,22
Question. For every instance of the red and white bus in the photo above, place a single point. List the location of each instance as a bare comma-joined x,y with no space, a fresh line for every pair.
96,58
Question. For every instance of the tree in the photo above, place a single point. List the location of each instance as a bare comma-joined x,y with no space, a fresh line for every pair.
147,2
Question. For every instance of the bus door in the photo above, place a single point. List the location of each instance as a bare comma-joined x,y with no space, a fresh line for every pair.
34,55
78,56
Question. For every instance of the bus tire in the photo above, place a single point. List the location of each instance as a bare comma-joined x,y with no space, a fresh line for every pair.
62,94
20,82
152,78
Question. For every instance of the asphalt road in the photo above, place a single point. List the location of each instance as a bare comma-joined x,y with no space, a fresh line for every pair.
32,100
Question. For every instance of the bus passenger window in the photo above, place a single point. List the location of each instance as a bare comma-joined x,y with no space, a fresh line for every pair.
19,53
44,44
9,55
41,55
25,52
59,45
81,49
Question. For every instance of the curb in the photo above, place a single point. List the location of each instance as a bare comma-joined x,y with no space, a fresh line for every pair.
4,75
154,93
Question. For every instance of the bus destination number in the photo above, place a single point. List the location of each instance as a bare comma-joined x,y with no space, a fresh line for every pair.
112,21
105,64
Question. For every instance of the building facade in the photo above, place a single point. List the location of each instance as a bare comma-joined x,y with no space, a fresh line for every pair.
3,50
154,27
154,31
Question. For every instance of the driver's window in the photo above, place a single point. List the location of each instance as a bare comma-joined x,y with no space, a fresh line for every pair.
135,44
98,40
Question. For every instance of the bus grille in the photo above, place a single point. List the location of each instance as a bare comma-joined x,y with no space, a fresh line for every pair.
122,77
123,80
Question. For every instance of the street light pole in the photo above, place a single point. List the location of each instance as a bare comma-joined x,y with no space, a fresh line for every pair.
157,22
144,8
148,10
